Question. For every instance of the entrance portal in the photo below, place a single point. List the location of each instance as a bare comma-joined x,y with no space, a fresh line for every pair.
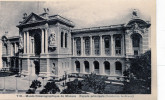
37,41
37,67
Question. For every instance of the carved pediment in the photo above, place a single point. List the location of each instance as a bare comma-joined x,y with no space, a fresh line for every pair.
32,18
137,26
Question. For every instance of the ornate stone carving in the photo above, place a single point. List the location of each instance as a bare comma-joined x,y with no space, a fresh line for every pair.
5,41
52,40
136,28
20,43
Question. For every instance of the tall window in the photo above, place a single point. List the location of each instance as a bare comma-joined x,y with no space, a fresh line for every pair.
62,39
87,46
107,45
136,43
78,46
97,45
118,45
66,35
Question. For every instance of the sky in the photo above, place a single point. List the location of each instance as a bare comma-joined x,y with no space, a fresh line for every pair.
83,13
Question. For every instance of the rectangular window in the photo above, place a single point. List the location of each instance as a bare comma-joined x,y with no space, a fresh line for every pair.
107,45
97,46
118,45
87,46
78,46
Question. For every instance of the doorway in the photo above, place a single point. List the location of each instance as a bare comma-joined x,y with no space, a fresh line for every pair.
37,67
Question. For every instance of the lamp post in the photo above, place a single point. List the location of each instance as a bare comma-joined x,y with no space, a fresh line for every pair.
65,77
16,89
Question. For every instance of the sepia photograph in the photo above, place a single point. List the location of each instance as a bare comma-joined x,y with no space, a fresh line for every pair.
78,47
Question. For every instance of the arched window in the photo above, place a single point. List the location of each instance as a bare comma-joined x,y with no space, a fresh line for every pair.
107,45
66,35
77,63
86,63
118,45
96,66
87,46
118,66
62,39
97,45
78,46
107,67
136,43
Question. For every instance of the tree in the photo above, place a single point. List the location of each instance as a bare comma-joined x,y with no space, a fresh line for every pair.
50,88
140,74
95,82
73,87
35,84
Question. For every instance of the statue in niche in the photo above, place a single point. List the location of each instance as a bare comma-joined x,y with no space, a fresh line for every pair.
52,40
21,43
53,68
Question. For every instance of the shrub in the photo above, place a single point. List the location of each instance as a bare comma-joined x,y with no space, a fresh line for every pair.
50,88
35,84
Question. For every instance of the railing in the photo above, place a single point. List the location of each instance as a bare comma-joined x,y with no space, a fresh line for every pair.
78,52
107,51
87,51
118,50
97,51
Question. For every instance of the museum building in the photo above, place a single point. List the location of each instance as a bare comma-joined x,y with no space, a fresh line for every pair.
49,45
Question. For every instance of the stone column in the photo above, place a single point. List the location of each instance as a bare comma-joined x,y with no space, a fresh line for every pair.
101,68
101,47
64,40
24,42
112,68
91,45
112,46
30,43
27,46
15,47
91,67
73,46
46,41
84,46
123,45
42,46
82,49
82,67
11,51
